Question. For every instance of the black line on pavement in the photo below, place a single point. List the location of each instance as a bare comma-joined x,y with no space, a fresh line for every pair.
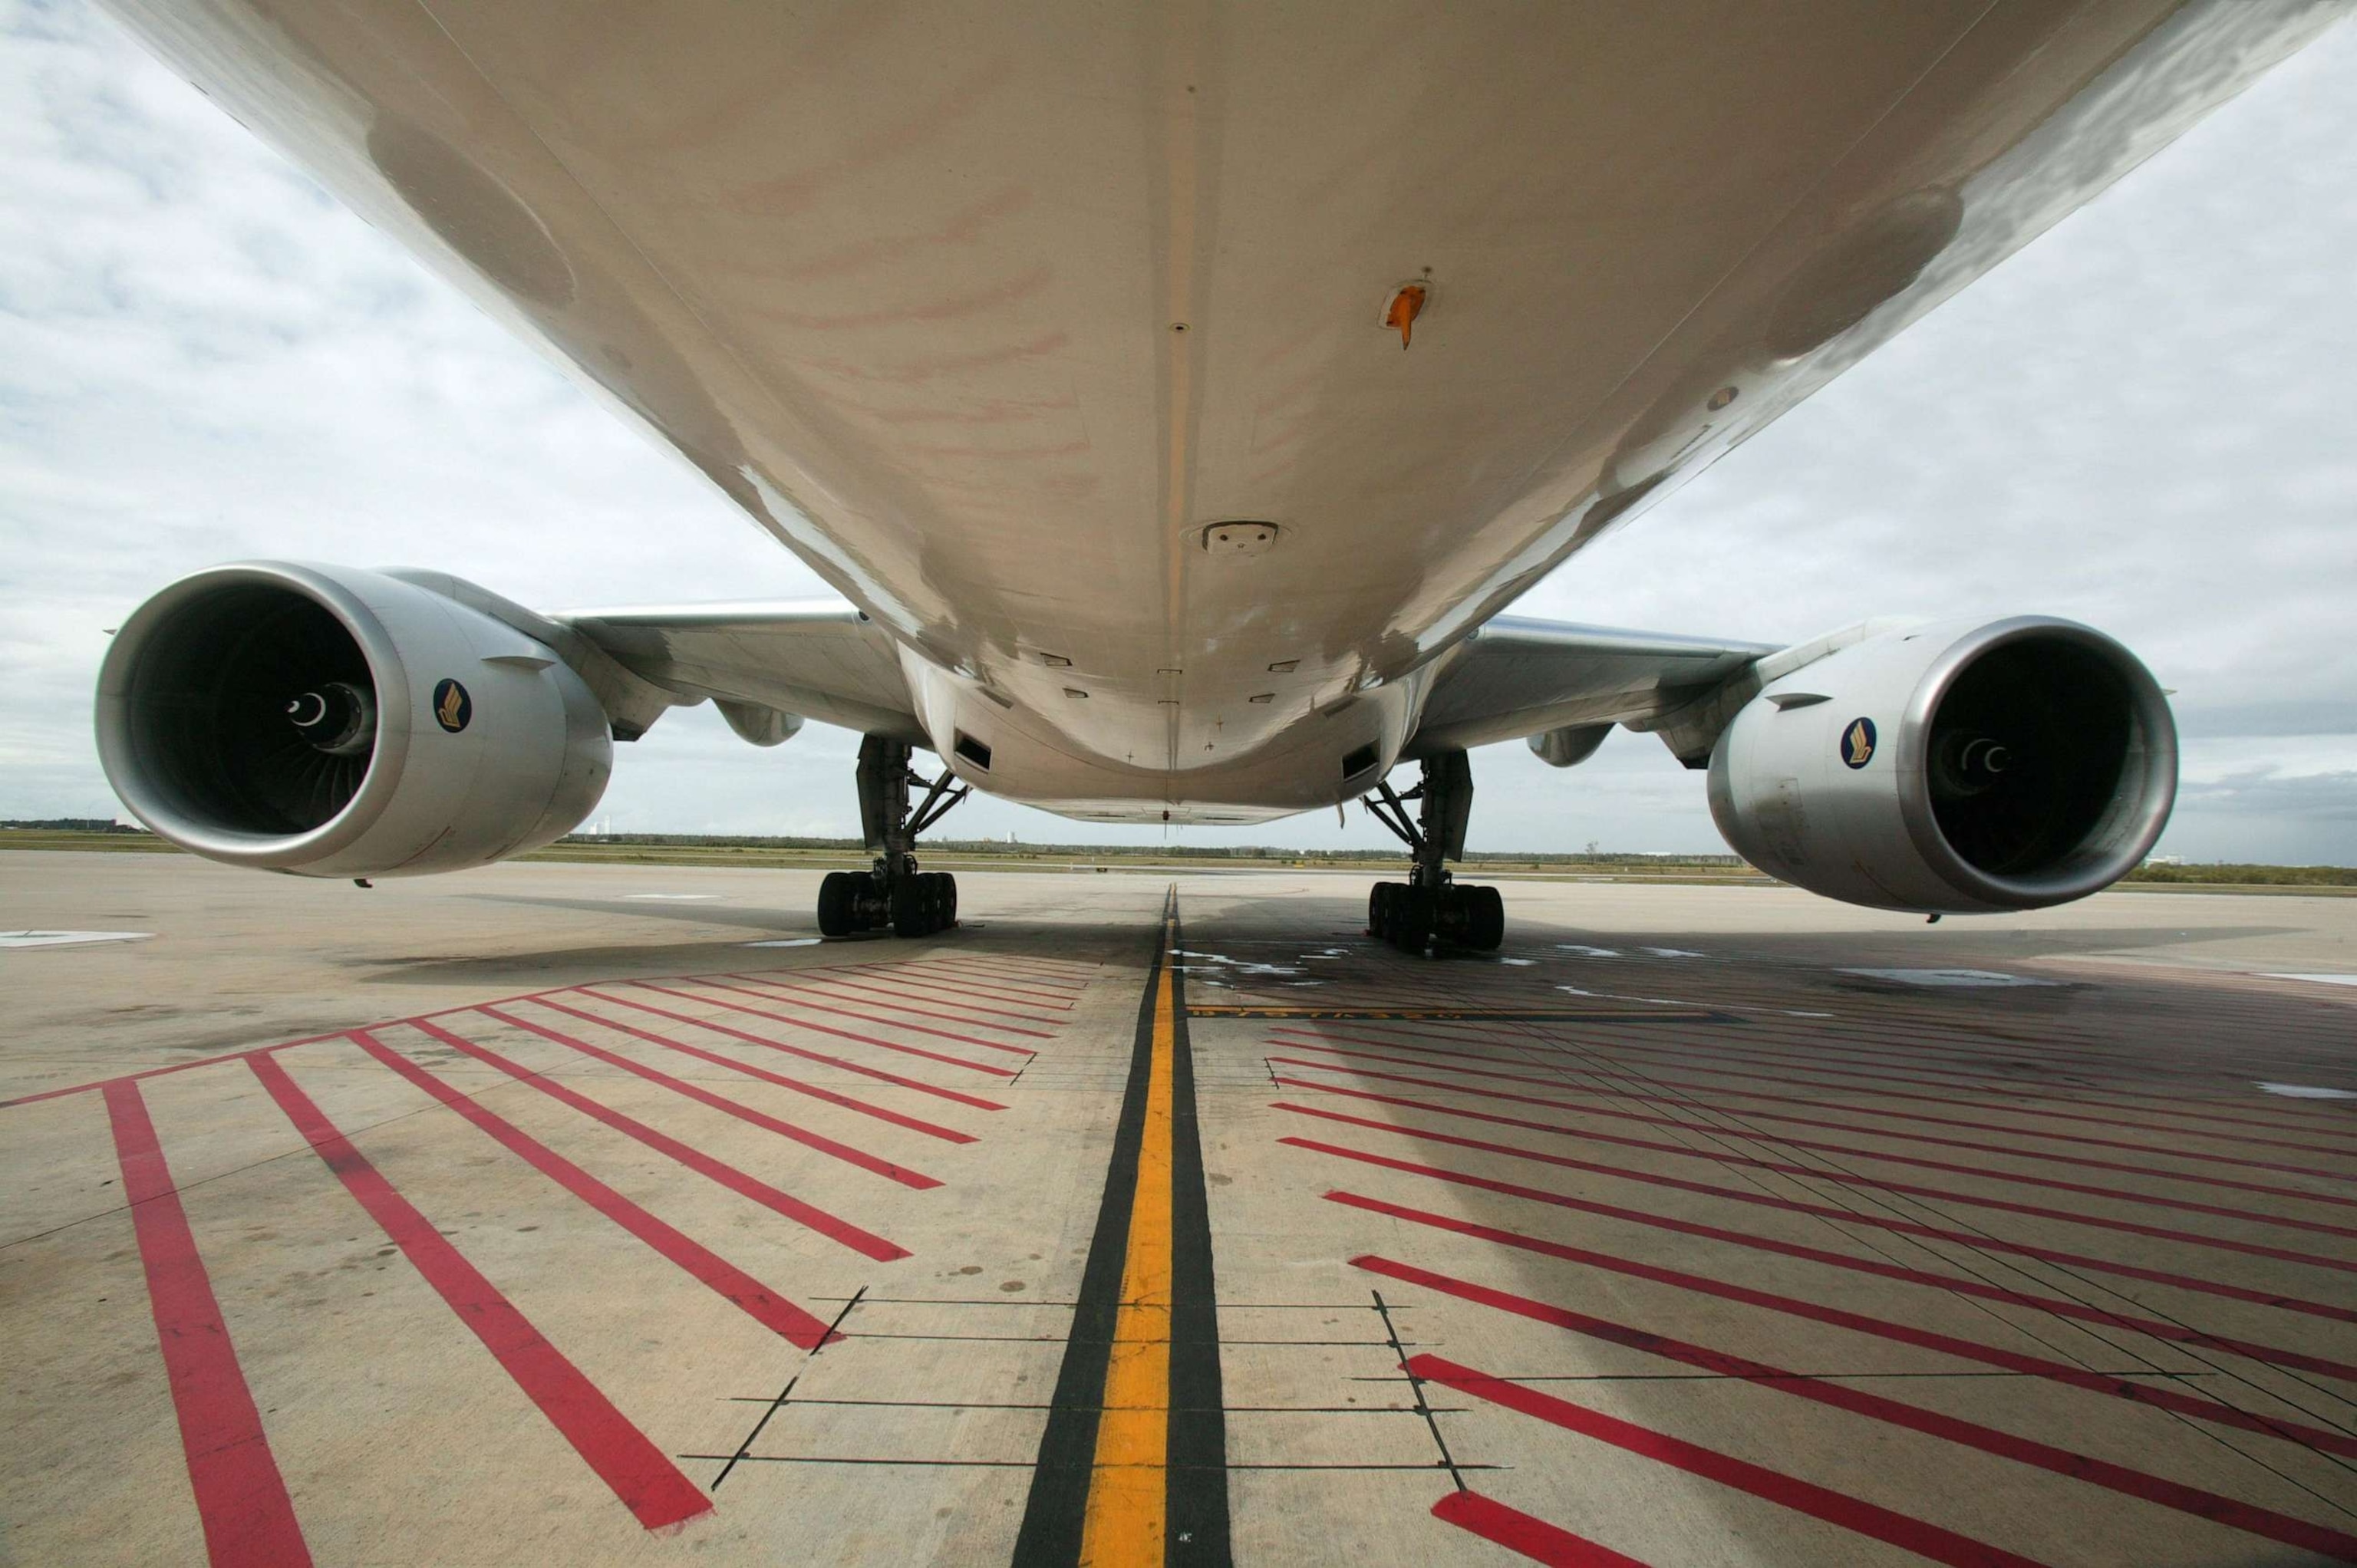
1195,1532
1459,1015
1057,1507
1415,1386
744,1449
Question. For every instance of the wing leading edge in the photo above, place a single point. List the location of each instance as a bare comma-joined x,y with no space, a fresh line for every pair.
767,665
1517,677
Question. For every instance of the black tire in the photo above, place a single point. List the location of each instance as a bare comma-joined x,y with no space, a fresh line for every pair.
1412,918
1378,909
836,895
1485,918
912,906
949,900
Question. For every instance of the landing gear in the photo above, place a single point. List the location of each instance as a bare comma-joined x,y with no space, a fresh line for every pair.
895,895
1431,909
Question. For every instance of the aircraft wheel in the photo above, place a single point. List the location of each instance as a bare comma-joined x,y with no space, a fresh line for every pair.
949,900
1485,918
1379,910
1411,919
836,895
912,906
941,903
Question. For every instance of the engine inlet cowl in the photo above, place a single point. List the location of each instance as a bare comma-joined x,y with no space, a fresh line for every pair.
1957,768
331,722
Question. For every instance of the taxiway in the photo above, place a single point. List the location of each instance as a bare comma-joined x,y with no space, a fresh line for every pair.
587,1214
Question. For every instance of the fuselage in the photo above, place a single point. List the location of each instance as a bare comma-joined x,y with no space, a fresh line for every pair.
990,312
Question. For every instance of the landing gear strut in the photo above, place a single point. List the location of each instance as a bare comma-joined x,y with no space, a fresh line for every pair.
1431,909
895,895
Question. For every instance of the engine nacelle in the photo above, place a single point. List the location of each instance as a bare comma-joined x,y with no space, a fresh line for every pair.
330,721
1955,767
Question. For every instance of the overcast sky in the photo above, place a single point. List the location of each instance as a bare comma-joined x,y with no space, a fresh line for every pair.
2143,421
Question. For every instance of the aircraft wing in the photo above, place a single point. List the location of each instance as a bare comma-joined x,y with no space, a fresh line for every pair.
764,663
1516,677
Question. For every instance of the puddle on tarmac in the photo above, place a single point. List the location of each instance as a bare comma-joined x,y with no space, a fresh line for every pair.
1616,996
1221,961
1946,978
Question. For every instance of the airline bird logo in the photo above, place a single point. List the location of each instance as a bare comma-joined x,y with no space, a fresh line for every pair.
1857,743
452,706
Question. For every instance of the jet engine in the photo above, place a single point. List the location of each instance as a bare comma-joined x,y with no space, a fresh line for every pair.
329,721
1954,768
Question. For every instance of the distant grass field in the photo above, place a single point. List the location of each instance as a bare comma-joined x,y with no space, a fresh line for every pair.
953,854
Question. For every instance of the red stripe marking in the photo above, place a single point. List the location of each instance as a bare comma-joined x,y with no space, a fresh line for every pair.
1848,1083
1013,980
877,1073
535,996
874,1163
495,1001
1646,1076
105,1083
1839,1178
1955,1284
1580,1066
2117,1195
1689,1102
1853,1081
2141,1485
1803,1496
2198,1408
1920,1031
1919,1068
804,1000
826,986
1046,971
1422,1052
1894,1047
649,1484
806,1024
797,1085
696,1160
1588,1107
898,975
242,1499
732,1284
1518,1532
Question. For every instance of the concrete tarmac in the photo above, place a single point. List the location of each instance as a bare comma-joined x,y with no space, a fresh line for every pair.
574,1214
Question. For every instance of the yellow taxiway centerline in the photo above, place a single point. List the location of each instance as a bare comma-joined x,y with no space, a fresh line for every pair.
1127,1504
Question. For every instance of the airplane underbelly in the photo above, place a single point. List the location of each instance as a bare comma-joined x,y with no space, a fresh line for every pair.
1338,752
995,312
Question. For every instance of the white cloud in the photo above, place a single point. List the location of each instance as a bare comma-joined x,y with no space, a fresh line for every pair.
2139,421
